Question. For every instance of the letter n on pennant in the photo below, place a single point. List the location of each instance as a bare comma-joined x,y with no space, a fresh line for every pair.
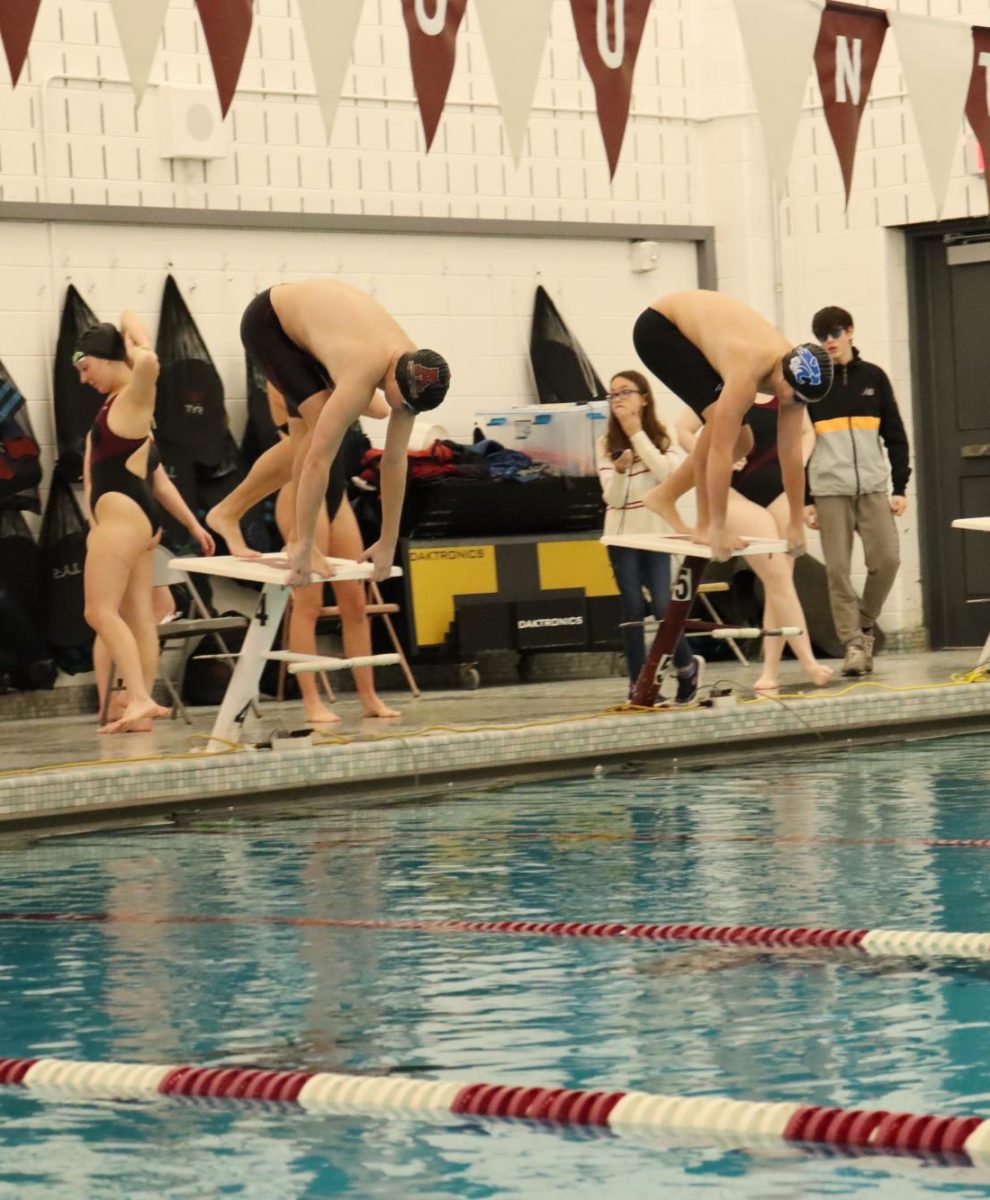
849,42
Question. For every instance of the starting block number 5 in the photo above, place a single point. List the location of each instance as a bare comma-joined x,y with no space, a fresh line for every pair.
682,587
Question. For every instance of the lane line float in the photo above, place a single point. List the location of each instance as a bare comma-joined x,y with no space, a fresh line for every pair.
898,943
618,1111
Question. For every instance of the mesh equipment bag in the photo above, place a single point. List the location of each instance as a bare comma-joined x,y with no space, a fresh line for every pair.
189,406
76,403
63,549
20,462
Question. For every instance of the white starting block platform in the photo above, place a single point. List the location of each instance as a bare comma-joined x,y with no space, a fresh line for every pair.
979,525
681,544
270,568
272,572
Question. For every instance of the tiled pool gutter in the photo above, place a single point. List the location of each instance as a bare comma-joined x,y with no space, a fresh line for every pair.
393,767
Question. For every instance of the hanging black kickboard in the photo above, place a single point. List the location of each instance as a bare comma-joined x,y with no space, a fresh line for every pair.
76,403
63,549
189,410
20,462
563,372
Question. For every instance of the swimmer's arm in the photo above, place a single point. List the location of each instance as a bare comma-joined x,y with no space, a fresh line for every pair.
142,359
87,484
734,402
807,436
170,498
393,466
349,401
790,420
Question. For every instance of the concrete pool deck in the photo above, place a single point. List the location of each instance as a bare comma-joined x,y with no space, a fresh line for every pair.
58,770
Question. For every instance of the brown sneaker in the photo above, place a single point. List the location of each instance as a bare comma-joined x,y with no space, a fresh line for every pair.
857,661
868,641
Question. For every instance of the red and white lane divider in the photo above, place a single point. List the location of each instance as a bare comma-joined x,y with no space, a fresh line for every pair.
901,943
618,1111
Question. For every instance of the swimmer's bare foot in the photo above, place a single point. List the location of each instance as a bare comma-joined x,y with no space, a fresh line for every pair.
229,528
319,714
377,708
766,684
136,717
819,675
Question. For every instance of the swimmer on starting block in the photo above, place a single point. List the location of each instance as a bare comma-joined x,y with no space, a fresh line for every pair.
328,347
757,506
716,354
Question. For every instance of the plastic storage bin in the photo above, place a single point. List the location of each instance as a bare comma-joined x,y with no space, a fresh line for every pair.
562,435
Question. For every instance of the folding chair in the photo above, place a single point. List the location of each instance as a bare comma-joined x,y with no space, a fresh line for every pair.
181,632
375,607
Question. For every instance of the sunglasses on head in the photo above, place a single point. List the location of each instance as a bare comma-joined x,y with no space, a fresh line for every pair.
832,334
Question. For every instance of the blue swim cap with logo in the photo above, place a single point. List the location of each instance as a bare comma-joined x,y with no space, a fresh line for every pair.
809,371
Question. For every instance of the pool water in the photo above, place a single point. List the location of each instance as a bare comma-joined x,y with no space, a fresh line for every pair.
838,840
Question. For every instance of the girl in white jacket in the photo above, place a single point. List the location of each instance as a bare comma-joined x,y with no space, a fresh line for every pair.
634,456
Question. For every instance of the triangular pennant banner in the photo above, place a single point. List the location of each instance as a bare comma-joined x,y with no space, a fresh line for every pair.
779,40
432,28
515,34
139,26
609,34
849,44
330,30
17,19
227,25
978,101
936,57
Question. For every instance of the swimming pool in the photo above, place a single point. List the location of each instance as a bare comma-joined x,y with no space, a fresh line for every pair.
840,840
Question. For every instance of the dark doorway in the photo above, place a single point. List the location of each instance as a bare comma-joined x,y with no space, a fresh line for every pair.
949,269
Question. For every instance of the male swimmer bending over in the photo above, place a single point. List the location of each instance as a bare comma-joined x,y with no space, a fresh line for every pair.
716,354
327,347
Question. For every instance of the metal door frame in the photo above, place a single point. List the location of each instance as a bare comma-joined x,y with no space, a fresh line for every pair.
933,526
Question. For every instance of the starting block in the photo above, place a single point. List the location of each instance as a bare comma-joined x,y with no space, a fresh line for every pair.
980,525
687,585
272,572
681,544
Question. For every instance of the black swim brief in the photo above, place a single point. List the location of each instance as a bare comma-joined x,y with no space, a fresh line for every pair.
676,361
296,374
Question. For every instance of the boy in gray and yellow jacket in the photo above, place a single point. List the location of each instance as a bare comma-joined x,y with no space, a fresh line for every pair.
857,476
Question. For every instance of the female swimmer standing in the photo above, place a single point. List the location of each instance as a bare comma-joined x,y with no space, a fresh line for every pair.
125,518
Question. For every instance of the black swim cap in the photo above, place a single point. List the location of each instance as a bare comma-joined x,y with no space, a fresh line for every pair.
100,341
423,378
809,371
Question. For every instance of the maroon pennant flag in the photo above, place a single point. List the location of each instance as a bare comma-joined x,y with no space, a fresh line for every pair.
17,19
978,100
227,25
432,28
849,43
609,33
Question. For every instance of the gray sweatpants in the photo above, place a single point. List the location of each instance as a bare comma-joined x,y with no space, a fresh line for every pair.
839,517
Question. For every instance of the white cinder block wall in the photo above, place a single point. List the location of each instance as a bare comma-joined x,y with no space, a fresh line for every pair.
693,155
